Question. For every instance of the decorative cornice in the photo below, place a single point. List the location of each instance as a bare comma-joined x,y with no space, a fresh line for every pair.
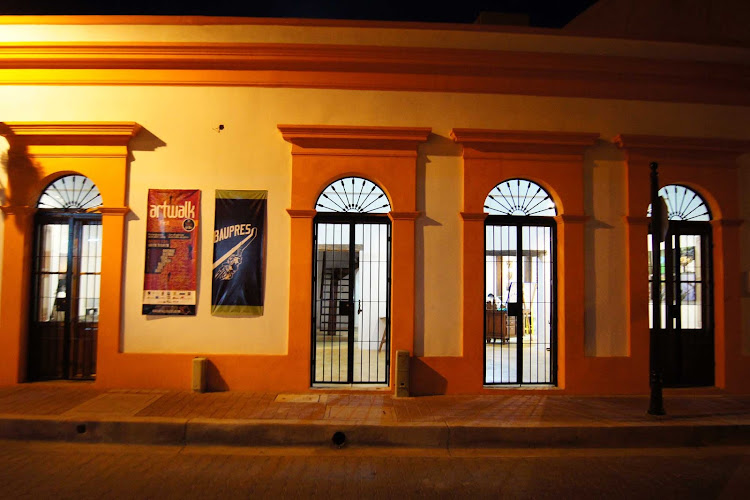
68,133
404,215
525,142
692,149
374,68
572,218
637,220
17,209
473,216
112,210
728,222
353,138
301,214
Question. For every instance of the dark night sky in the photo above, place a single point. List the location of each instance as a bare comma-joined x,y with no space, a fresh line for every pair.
542,13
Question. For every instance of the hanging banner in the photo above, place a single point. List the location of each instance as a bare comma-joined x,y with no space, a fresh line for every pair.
169,284
239,235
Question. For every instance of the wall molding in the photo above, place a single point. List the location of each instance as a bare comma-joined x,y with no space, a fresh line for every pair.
301,214
374,68
377,140
523,143
17,209
404,215
698,150
472,216
21,134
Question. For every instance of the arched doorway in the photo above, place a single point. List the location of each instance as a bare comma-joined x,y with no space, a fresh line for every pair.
520,285
686,330
65,281
351,284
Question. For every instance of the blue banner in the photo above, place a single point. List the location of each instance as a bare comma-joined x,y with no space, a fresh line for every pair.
239,248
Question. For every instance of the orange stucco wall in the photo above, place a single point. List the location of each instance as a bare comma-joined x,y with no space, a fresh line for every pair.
419,80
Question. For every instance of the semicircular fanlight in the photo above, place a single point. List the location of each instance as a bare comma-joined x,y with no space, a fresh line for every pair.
353,195
519,197
71,192
683,204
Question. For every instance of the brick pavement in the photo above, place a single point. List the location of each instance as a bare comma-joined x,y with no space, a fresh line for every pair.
76,471
51,399
31,410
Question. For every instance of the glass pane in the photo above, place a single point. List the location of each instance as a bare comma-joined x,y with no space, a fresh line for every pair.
501,288
353,194
54,248
74,192
683,204
52,297
662,287
537,304
691,288
519,197
370,303
331,302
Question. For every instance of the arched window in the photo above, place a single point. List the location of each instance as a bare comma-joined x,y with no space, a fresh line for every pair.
520,310
519,197
353,195
351,280
683,204
66,277
686,289
71,192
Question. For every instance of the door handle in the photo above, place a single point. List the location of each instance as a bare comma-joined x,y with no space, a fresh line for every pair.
359,307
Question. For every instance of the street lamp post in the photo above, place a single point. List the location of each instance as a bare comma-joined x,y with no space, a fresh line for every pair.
656,402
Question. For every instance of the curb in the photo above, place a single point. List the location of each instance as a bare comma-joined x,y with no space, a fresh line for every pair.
157,431
203,432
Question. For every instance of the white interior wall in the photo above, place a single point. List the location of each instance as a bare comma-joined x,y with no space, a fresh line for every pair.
182,148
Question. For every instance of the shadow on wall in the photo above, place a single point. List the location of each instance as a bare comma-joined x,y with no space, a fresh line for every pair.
436,145
143,141
22,174
602,151
146,141
214,381
430,381
744,188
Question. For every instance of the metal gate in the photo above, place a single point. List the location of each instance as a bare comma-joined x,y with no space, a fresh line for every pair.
65,296
520,314
351,307
687,332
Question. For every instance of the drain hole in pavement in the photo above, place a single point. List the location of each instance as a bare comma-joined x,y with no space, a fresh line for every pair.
81,428
339,438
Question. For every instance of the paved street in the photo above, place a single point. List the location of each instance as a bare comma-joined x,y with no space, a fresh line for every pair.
63,470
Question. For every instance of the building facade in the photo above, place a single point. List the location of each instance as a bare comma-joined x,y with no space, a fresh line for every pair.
476,197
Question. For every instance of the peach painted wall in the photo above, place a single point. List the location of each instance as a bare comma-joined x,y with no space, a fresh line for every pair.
182,148
605,278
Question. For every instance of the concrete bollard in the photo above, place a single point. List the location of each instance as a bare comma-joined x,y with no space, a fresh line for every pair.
402,374
199,374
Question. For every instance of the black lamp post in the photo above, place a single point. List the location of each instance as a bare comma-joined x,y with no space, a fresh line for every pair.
656,402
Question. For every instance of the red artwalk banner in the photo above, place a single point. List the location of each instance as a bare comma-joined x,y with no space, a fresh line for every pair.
169,284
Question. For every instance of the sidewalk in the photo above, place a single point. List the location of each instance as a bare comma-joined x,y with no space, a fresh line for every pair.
81,413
